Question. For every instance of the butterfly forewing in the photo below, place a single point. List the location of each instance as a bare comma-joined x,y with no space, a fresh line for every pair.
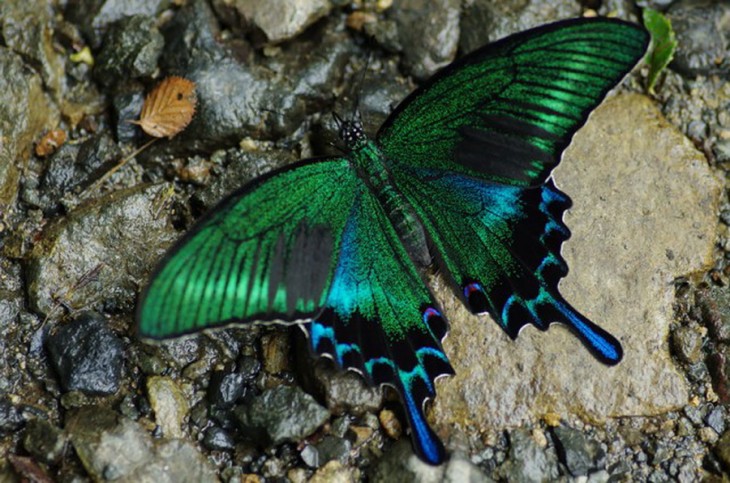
266,253
506,112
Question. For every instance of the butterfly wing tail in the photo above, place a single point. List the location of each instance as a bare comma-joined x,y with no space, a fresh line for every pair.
409,364
600,343
426,444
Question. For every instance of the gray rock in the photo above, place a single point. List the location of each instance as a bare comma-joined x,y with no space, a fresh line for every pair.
241,166
659,452
11,417
399,463
429,36
578,453
702,36
277,20
327,449
45,442
130,50
345,391
109,447
95,16
98,256
269,98
75,166
694,414
226,388
716,419
617,279
25,111
484,21
87,355
27,28
115,448
281,414
527,461
127,102
218,439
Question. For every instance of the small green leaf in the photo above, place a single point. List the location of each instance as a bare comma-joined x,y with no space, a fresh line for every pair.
663,44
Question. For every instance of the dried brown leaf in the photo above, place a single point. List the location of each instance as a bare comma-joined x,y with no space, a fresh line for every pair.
168,108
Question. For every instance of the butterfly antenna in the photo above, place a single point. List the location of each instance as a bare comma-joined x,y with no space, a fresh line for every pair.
338,122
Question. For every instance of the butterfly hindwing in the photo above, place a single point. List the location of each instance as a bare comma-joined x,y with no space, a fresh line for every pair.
506,112
380,318
501,246
265,253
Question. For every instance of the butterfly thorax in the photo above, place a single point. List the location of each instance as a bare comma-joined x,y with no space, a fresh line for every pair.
372,167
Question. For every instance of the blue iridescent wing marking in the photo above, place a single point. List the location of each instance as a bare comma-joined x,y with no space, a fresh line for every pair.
381,320
501,246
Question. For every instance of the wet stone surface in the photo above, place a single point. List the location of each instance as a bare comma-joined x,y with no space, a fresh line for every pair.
281,414
81,398
87,356
131,49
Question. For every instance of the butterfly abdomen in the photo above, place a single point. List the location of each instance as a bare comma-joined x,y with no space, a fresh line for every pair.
370,165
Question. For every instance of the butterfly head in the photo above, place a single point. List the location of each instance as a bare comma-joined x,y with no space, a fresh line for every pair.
350,131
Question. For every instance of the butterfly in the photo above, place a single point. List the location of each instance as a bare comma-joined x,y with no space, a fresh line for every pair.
458,177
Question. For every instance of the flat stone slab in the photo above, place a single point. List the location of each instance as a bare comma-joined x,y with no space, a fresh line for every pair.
645,213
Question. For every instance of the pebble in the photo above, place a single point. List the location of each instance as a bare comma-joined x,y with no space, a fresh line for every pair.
11,417
280,414
390,423
218,439
687,344
578,453
169,404
527,461
87,355
716,419
226,388
45,442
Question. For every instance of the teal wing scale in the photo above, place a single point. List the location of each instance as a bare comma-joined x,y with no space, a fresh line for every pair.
266,253
506,112
381,320
501,245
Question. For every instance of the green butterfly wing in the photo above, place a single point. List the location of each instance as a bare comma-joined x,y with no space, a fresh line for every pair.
267,252
309,242
381,320
506,112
